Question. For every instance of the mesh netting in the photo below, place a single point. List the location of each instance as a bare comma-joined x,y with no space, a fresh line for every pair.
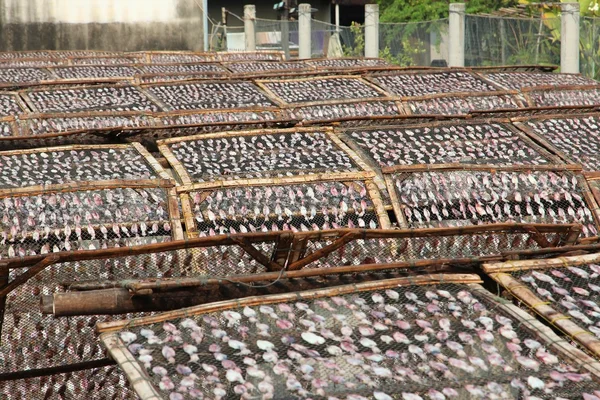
459,198
92,384
24,75
396,250
176,58
268,66
518,80
414,43
52,54
218,117
217,95
339,63
408,341
93,219
452,105
321,89
493,40
328,112
577,137
158,78
182,68
107,98
260,155
251,55
64,165
473,143
303,207
6,129
9,105
572,290
66,123
96,71
565,97
31,63
419,84
105,60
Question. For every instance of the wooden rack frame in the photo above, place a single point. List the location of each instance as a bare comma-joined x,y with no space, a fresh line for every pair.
384,95
167,185
526,92
576,169
501,273
186,179
187,203
517,98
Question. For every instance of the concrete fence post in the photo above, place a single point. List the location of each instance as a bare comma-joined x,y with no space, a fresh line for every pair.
456,45
305,33
371,30
569,38
249,26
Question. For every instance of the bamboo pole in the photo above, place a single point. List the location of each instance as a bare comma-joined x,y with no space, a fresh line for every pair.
257,255
479,167
397,207
135,373
151,160
555,318
558,262
177,166
4,276
57,370
295,296
27,275
375,196
342,241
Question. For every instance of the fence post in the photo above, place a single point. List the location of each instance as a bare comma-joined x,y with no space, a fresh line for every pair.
569,41
249,26
305,33
456,45
371,30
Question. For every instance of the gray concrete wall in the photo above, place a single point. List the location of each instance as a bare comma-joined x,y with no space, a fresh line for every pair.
118,25
264,9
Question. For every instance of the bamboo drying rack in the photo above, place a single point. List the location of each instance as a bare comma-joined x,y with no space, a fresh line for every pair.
500,272
484,74
187,202
24,95
186,179
516,97
260,55
572,168
526,92
23,107
167,185
384,95
286,67
148,158
516,68
506,124
520,123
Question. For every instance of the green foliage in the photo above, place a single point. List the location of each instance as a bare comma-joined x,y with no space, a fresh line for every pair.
423,10
409,47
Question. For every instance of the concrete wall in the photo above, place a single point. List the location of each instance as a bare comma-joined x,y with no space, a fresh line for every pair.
120,25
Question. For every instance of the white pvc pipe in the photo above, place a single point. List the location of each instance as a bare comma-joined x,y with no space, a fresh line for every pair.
456,45
249,27
304,34
569,38
371,30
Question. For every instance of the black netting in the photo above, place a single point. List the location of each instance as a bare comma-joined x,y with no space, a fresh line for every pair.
460,198
321,89
577,137
260,155
340,63
518,80
470,143
268,66
93,219
181,68
106,98
572,290
419,84
114,60
96,71
64,165
23,75
55,124
215,95
409,341
9,105
216,116
91,384
176,58
331,112
565,97
300,207
452,105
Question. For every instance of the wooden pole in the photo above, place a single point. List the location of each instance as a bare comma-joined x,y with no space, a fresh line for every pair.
27,275
61,369
4,273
